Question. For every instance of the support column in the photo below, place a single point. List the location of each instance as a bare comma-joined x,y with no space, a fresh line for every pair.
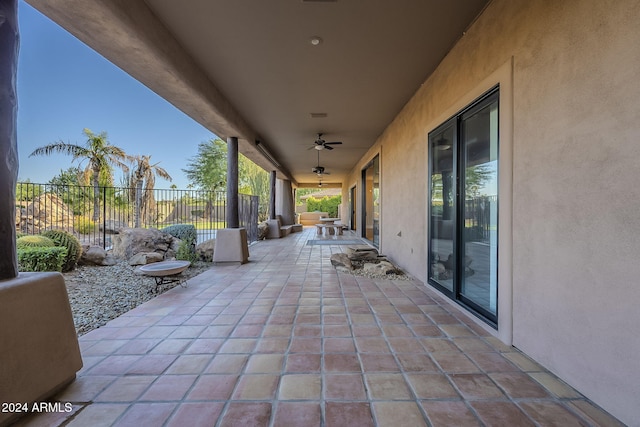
9,44
285,202
233,221
231,243
272,196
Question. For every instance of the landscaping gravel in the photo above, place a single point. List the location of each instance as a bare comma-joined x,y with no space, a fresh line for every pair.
99,294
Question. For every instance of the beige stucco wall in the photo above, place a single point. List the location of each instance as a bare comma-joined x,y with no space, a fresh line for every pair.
575,197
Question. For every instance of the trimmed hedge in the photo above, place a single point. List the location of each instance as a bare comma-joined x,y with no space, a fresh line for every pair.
41,258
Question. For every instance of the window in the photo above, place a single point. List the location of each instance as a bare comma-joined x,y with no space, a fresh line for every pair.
463,207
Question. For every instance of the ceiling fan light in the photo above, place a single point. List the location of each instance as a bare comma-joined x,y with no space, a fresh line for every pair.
319,147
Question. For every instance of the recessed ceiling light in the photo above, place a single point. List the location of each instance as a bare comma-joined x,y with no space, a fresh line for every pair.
315,40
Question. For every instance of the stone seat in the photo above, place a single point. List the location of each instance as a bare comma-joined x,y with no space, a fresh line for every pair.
331,229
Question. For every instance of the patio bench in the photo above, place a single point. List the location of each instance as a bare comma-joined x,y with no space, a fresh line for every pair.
277,230
331,229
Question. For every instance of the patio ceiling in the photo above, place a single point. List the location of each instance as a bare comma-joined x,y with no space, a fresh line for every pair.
248,68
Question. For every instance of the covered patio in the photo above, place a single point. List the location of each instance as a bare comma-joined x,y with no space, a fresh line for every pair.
285,339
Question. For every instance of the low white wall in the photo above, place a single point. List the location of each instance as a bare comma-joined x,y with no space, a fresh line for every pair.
311,218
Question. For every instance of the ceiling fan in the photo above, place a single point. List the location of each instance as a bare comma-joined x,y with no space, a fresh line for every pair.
319,170
321,144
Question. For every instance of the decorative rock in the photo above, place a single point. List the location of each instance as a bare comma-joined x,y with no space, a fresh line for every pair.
131,241
205,249
44,212
175,244
144,258
360,248
362,252
381,268
341,260
95,255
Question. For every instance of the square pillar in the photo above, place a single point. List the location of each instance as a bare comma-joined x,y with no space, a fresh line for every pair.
231,246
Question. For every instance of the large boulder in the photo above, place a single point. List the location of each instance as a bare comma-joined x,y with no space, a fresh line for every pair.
341,262
205,249
132,241
45,212
112,226
144,258
361,252
95,255
379,269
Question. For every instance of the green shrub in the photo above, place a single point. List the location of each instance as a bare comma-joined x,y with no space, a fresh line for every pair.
34,241
325,204
186,252
184,232
70,242
19,234
41,258
188,236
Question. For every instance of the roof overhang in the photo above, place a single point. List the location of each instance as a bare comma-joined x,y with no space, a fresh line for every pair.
276,73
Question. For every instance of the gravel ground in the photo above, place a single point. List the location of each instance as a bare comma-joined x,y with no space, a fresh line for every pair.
99,294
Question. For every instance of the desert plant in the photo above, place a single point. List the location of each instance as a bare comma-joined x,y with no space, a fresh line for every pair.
182,231
188,236
68,241
34,241
186,252
41,258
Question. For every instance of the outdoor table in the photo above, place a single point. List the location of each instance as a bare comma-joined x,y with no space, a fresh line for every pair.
329,222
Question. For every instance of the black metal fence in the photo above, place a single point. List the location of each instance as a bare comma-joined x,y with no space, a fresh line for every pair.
93,216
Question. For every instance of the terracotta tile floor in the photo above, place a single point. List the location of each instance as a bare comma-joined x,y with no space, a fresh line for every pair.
285,340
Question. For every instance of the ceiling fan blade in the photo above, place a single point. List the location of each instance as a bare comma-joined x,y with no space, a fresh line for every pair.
328,147
333,143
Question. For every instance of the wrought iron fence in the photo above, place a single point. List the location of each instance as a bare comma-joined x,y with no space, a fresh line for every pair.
478,217
93,216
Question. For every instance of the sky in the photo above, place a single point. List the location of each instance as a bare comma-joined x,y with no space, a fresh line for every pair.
64,86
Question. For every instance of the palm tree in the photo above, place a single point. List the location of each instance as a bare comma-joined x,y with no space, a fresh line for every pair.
144,173
100,155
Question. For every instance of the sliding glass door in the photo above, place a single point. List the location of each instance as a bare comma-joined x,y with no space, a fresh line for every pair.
371,201
463,207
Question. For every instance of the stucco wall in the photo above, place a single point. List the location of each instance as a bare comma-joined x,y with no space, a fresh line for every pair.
575,186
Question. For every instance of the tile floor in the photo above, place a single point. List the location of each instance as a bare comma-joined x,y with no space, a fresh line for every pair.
285,340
